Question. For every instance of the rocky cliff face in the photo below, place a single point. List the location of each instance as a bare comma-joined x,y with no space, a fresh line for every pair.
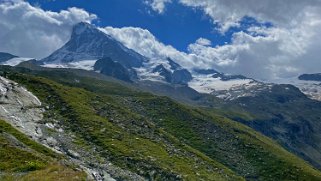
20,108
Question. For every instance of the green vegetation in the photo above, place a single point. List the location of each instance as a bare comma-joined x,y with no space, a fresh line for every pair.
8,129
235,145
24,159
288,116
156,137
133,144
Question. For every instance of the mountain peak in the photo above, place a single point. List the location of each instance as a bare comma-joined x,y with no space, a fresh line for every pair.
87,42
83,27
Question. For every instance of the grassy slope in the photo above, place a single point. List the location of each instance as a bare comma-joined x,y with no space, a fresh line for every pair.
235,145
288,116
24,159
123,114
141,148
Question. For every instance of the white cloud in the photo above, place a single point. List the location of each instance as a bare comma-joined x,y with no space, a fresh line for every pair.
290,47
30,31
278,52
145,43
229,13
204,42
158,5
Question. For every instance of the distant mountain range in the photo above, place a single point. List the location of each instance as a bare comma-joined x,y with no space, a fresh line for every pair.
122,116
89,43
93,50
102,53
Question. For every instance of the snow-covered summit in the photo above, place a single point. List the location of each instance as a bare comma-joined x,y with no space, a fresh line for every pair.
89,43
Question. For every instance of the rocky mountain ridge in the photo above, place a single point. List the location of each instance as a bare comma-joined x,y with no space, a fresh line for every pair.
88,44
88,48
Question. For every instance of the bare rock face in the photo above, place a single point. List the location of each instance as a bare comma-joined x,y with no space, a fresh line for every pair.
20,108
24,111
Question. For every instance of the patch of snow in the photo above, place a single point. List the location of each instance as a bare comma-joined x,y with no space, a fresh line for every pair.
310,88
208,84
144,73
83,64
15,61
51,65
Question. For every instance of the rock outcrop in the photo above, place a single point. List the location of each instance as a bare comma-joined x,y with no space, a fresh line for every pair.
20,108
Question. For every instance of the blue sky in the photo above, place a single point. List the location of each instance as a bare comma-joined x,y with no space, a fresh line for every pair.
179,26
259,40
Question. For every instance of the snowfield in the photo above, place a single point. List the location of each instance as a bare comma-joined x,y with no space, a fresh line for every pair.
207,84
15,61
83,64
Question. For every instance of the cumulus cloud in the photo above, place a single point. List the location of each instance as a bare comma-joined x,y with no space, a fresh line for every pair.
229,13
158,5
204,42
145,43
287,48
276,53
30,31
279,53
